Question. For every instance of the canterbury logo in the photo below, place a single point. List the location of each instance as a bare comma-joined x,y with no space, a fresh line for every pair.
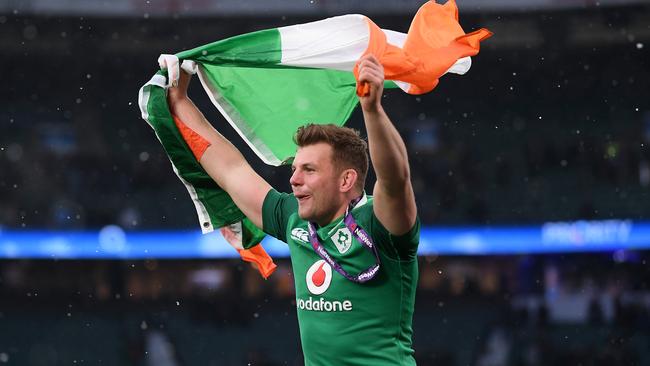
300,235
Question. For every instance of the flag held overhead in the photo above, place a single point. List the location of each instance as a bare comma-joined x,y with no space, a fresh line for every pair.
270,82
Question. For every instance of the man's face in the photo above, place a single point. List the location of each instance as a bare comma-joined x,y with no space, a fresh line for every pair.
315,183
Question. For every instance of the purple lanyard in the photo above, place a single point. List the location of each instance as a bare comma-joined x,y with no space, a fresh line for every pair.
361,235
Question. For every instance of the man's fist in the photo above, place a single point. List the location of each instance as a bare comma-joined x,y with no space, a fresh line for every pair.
372,73
171,63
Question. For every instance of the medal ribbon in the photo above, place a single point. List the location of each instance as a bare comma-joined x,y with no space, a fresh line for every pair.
361,235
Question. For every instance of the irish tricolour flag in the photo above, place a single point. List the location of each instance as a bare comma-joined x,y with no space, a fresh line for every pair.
270,82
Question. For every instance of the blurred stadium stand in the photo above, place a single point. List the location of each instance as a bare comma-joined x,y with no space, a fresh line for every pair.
552,123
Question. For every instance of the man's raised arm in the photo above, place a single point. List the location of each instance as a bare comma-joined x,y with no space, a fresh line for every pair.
221,160
394,201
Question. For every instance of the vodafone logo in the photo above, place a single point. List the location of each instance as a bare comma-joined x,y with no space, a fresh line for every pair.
319,277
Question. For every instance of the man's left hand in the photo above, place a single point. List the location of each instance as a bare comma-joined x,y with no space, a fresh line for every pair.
372,73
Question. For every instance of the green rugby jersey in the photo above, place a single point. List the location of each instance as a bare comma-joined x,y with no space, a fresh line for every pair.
342,322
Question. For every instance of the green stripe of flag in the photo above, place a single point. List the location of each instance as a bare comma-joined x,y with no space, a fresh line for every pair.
261,48
271,104
213,201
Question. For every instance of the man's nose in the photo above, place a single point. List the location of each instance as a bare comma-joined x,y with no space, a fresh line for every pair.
295,179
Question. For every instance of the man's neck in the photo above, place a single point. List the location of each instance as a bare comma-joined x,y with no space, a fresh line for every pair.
338,213
330,218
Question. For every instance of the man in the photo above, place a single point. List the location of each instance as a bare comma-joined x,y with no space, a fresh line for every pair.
354,257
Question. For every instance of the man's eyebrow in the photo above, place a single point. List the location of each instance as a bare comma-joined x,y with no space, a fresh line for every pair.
303,165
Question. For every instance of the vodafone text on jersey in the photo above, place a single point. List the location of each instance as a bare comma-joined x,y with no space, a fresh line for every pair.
319,278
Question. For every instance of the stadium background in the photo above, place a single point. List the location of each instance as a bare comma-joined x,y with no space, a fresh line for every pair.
548,133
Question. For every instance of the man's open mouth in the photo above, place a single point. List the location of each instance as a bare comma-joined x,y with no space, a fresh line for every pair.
302,197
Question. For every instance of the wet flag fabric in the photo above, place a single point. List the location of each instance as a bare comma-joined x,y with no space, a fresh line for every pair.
213,205
270,82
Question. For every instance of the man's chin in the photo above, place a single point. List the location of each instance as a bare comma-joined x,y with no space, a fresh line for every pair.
304,214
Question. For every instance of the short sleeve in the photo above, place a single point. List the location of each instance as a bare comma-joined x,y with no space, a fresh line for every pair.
405,246
276,210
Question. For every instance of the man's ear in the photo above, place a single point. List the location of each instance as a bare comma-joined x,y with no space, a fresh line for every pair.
348,180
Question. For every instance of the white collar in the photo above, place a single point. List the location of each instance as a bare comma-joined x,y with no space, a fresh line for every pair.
362,201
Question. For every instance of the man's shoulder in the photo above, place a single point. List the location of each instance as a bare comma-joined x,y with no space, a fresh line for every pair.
284,195
276,198
365,214
277,210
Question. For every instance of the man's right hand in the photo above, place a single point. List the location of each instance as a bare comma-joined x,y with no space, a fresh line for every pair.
179,92
171,63
221,160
